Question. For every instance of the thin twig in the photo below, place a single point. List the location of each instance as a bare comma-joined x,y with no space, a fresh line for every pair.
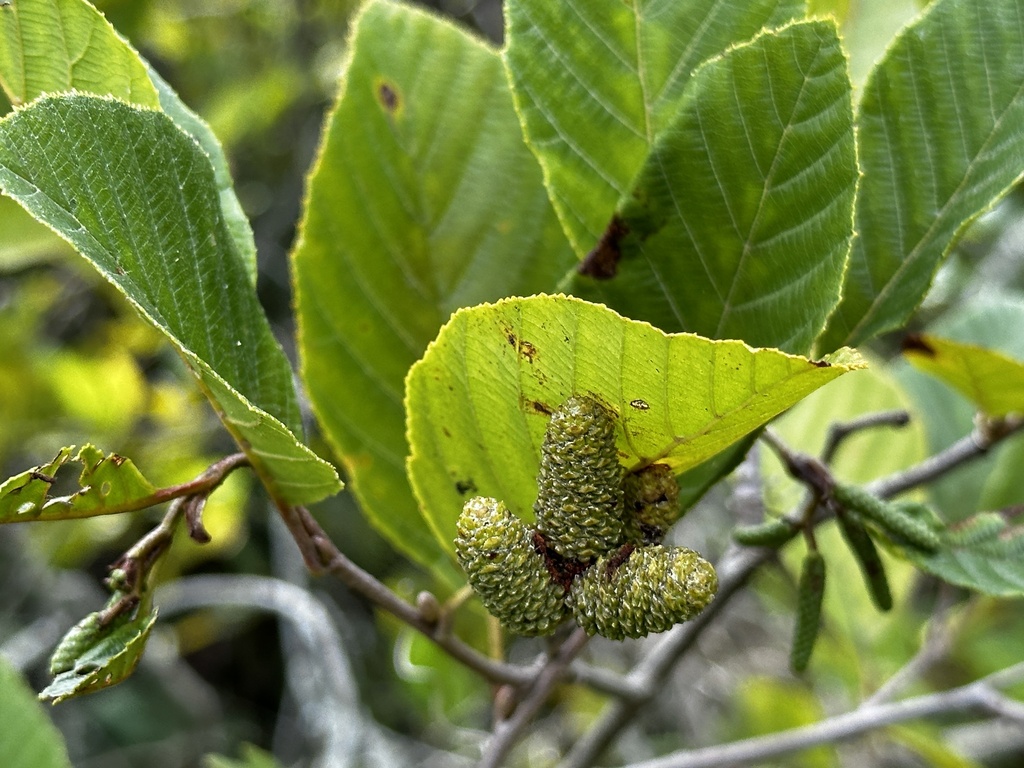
936,644
968,448
980,695
644,682
841,430
647,679
327,558
507,734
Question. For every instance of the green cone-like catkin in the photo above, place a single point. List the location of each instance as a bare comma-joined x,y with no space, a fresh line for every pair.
579,488
633,594
982,527
497,551
651,500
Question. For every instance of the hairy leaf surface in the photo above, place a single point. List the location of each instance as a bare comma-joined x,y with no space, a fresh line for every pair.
54,46
480,399
941,138
137,197
424,199
739,224
596,83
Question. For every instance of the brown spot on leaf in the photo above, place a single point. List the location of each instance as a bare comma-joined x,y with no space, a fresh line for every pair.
527,351
541,408
116,459
602,263
465,486
388,96
640,405
916,343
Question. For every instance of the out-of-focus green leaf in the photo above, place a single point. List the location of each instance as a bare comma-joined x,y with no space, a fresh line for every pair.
107,485
595,85
251,757
108,662
28,738
993,566
138,198
480,399
424,199
941,139
993,321
990,379
48,46
770,705
23,240
926,741
739,224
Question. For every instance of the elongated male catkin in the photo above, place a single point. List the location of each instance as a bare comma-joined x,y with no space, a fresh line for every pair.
810,593
635,592
497,551
864,550
903,527
579,489
771,533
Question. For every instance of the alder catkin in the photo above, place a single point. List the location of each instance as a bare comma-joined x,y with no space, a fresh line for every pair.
579,489
651,501
771,533
636,592
982,527
903,527
810,592
866,553
498,554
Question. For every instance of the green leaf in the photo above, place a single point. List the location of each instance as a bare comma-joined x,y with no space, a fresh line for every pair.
234,217
251,757
992,320
993,567
53,46
107,485
990,379
480,398
739,223
48,46
28,739
108,662
138,198
424,199
941,139
595,84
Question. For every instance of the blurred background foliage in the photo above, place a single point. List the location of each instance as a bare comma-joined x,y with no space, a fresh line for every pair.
76,365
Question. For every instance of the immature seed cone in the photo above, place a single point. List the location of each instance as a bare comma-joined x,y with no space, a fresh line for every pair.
497,552
633,593
579,488
651,499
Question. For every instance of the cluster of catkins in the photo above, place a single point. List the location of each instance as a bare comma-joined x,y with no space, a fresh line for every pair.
595,553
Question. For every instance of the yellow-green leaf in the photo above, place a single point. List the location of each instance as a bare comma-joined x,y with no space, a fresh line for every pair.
107,485
479,400
108,662
990,379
